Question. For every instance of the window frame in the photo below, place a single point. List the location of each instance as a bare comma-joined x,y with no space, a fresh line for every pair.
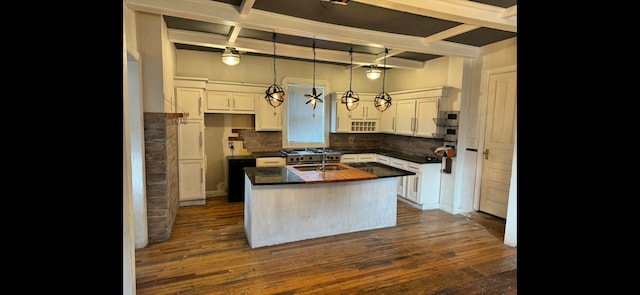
324,106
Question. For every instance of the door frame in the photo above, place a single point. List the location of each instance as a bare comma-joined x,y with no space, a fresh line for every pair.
482,129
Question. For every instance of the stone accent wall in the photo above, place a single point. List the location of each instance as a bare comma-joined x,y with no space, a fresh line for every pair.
262,141
161,166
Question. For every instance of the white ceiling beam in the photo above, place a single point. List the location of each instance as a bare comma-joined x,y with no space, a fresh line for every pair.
227,14
302,52
233,35
462,11
246,6
457,30
510,12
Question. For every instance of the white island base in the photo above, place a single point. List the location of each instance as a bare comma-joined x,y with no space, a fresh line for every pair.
283,213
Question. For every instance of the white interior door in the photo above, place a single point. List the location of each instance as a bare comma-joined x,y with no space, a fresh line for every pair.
498,143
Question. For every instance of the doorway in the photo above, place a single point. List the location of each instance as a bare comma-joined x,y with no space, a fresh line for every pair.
499,141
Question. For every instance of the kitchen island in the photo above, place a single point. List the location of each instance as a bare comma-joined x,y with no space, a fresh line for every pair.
293,203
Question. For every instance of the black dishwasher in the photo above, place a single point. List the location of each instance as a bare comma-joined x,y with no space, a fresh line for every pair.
236,176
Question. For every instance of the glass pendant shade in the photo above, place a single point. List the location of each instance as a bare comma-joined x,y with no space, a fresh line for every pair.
350,99
373,73
382,101
230,56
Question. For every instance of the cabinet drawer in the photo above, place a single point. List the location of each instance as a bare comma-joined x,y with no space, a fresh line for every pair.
270,162
383,159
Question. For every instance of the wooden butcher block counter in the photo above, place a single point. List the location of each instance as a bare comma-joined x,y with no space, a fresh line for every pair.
314,173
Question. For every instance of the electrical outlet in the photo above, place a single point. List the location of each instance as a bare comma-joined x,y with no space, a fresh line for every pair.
231,145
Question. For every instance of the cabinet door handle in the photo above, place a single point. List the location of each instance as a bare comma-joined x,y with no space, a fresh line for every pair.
486,154
228,103
415,184
200,140
201,174
199,105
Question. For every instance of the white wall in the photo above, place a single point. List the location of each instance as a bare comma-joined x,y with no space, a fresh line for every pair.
149,27
128,253
259,70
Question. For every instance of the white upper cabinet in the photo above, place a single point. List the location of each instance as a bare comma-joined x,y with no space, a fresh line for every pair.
229,102
190,100
415,112
365,109
268,118
388,119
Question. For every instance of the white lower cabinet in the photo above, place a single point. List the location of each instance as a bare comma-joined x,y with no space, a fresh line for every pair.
413,182
383,159
421,190
402,181
191,178
356,158
367,157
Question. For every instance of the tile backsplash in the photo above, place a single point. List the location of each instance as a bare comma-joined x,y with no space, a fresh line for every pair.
255,141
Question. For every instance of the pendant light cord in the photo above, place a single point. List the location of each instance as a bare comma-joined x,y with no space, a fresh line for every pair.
274,58
351,67
314,65
384,73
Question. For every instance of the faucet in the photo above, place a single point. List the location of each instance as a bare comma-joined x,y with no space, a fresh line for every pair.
323,163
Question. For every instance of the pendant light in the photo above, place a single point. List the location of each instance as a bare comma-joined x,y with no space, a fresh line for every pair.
230,56
350,99
383,99
274,94
373,72
314,97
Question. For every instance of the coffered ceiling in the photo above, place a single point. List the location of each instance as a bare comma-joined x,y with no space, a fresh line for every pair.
412,31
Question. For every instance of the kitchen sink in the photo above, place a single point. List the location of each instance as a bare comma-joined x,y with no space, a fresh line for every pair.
318,168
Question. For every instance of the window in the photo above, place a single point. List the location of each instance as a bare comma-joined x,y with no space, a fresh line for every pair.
303,129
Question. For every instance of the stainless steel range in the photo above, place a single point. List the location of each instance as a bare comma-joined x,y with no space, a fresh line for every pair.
311,156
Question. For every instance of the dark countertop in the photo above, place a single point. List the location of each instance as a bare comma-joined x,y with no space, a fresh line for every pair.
415,159
268,154
243,157
282,175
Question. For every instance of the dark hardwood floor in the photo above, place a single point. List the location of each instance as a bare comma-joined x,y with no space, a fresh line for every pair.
427,252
